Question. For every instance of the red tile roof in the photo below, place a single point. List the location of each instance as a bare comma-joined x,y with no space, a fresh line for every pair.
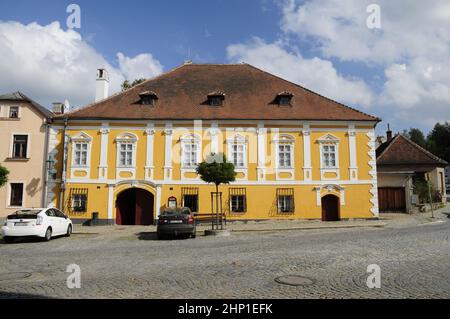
249,94
401,150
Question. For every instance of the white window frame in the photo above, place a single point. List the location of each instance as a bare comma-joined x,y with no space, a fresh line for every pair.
329,140
288,140
18,112
196,141
9,191
243,203
279,201
239,140
81,138
126,138
11,145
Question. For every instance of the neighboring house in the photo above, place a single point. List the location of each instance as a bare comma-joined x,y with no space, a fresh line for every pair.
447,180
400,161
24,129
297,153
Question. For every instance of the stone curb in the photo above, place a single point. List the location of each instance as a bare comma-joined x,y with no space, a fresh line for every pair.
306,228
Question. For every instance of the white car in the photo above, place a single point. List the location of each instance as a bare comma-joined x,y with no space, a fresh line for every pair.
39,222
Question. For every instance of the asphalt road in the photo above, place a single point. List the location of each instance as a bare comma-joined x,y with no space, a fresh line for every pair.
414,263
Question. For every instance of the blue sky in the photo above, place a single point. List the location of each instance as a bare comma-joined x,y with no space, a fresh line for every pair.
399,72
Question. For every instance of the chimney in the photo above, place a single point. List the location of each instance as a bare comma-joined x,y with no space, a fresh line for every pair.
102,85
58,108
389,134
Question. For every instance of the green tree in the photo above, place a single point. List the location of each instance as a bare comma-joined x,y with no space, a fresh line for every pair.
216,170
3,175
126,84
439,141
417,136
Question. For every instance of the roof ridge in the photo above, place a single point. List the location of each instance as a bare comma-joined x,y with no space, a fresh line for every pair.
41,109
313,92
391,142
420,148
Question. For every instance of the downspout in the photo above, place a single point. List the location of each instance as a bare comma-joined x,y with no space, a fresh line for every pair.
64,165
46,169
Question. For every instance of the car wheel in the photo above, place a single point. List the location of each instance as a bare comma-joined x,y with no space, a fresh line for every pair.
48,234
8,240
194,234
69,231
160,236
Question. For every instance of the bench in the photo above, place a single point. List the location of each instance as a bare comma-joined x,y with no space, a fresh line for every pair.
208,218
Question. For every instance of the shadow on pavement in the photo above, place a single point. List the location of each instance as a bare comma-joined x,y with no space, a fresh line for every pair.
18,295
147,236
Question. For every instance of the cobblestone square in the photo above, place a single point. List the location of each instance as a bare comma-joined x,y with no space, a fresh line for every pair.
129,262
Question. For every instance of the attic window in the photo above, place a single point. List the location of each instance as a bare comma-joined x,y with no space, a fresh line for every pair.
216,98
148,98
284,98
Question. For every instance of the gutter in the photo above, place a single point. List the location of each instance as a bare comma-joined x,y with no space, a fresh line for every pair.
45,170
64,165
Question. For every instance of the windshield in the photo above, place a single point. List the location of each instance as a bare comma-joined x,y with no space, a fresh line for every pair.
25,214
176,211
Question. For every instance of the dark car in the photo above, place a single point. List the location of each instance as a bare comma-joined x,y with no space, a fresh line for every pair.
176,222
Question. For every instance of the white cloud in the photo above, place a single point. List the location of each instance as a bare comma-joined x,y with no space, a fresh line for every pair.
316,74
412,47
51,64
141,66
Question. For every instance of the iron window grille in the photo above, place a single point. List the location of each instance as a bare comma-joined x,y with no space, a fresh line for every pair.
238,200
78,200
285,200
189,196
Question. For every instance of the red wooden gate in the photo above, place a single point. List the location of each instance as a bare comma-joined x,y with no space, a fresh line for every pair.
391,199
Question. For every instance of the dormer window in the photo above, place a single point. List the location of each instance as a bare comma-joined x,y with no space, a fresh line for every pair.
148,98
216,98
284,99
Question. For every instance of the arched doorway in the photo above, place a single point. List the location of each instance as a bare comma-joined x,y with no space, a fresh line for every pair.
134,206
330,208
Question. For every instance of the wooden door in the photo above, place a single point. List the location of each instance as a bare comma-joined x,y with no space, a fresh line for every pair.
330,208
391,199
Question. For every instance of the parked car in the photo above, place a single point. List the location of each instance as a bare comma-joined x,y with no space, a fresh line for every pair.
175,222
38,222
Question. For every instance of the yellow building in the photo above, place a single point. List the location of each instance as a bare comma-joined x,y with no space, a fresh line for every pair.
297,153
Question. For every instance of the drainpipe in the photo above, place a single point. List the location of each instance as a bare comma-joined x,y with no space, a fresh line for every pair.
45,171
64,165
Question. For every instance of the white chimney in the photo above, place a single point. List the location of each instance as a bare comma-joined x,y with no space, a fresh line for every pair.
58,108
102,85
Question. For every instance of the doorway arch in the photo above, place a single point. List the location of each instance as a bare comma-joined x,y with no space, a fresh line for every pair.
134,206
330,208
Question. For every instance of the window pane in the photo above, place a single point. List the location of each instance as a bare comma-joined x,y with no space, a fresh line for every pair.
16,194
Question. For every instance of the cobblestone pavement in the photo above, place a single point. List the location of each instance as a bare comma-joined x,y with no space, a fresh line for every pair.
130,263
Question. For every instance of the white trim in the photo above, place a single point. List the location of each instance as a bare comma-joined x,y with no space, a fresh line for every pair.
8,194
81,138
214,133
284,139
168,132
200,182
330,188
261,140
19,112
238,139
104,142
11,145
124,139
149,168
373,172
329,139
158,200
110,200
353,152
195,140
307,168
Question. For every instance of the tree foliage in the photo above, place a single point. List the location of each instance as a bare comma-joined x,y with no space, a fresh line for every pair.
216,170
127,85
4,172
437,141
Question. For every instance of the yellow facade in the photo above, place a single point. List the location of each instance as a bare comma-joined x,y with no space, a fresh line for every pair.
162,174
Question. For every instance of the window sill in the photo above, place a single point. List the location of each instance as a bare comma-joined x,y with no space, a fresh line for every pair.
17,159
10,118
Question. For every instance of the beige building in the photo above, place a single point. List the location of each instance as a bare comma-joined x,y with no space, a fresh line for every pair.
23,151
